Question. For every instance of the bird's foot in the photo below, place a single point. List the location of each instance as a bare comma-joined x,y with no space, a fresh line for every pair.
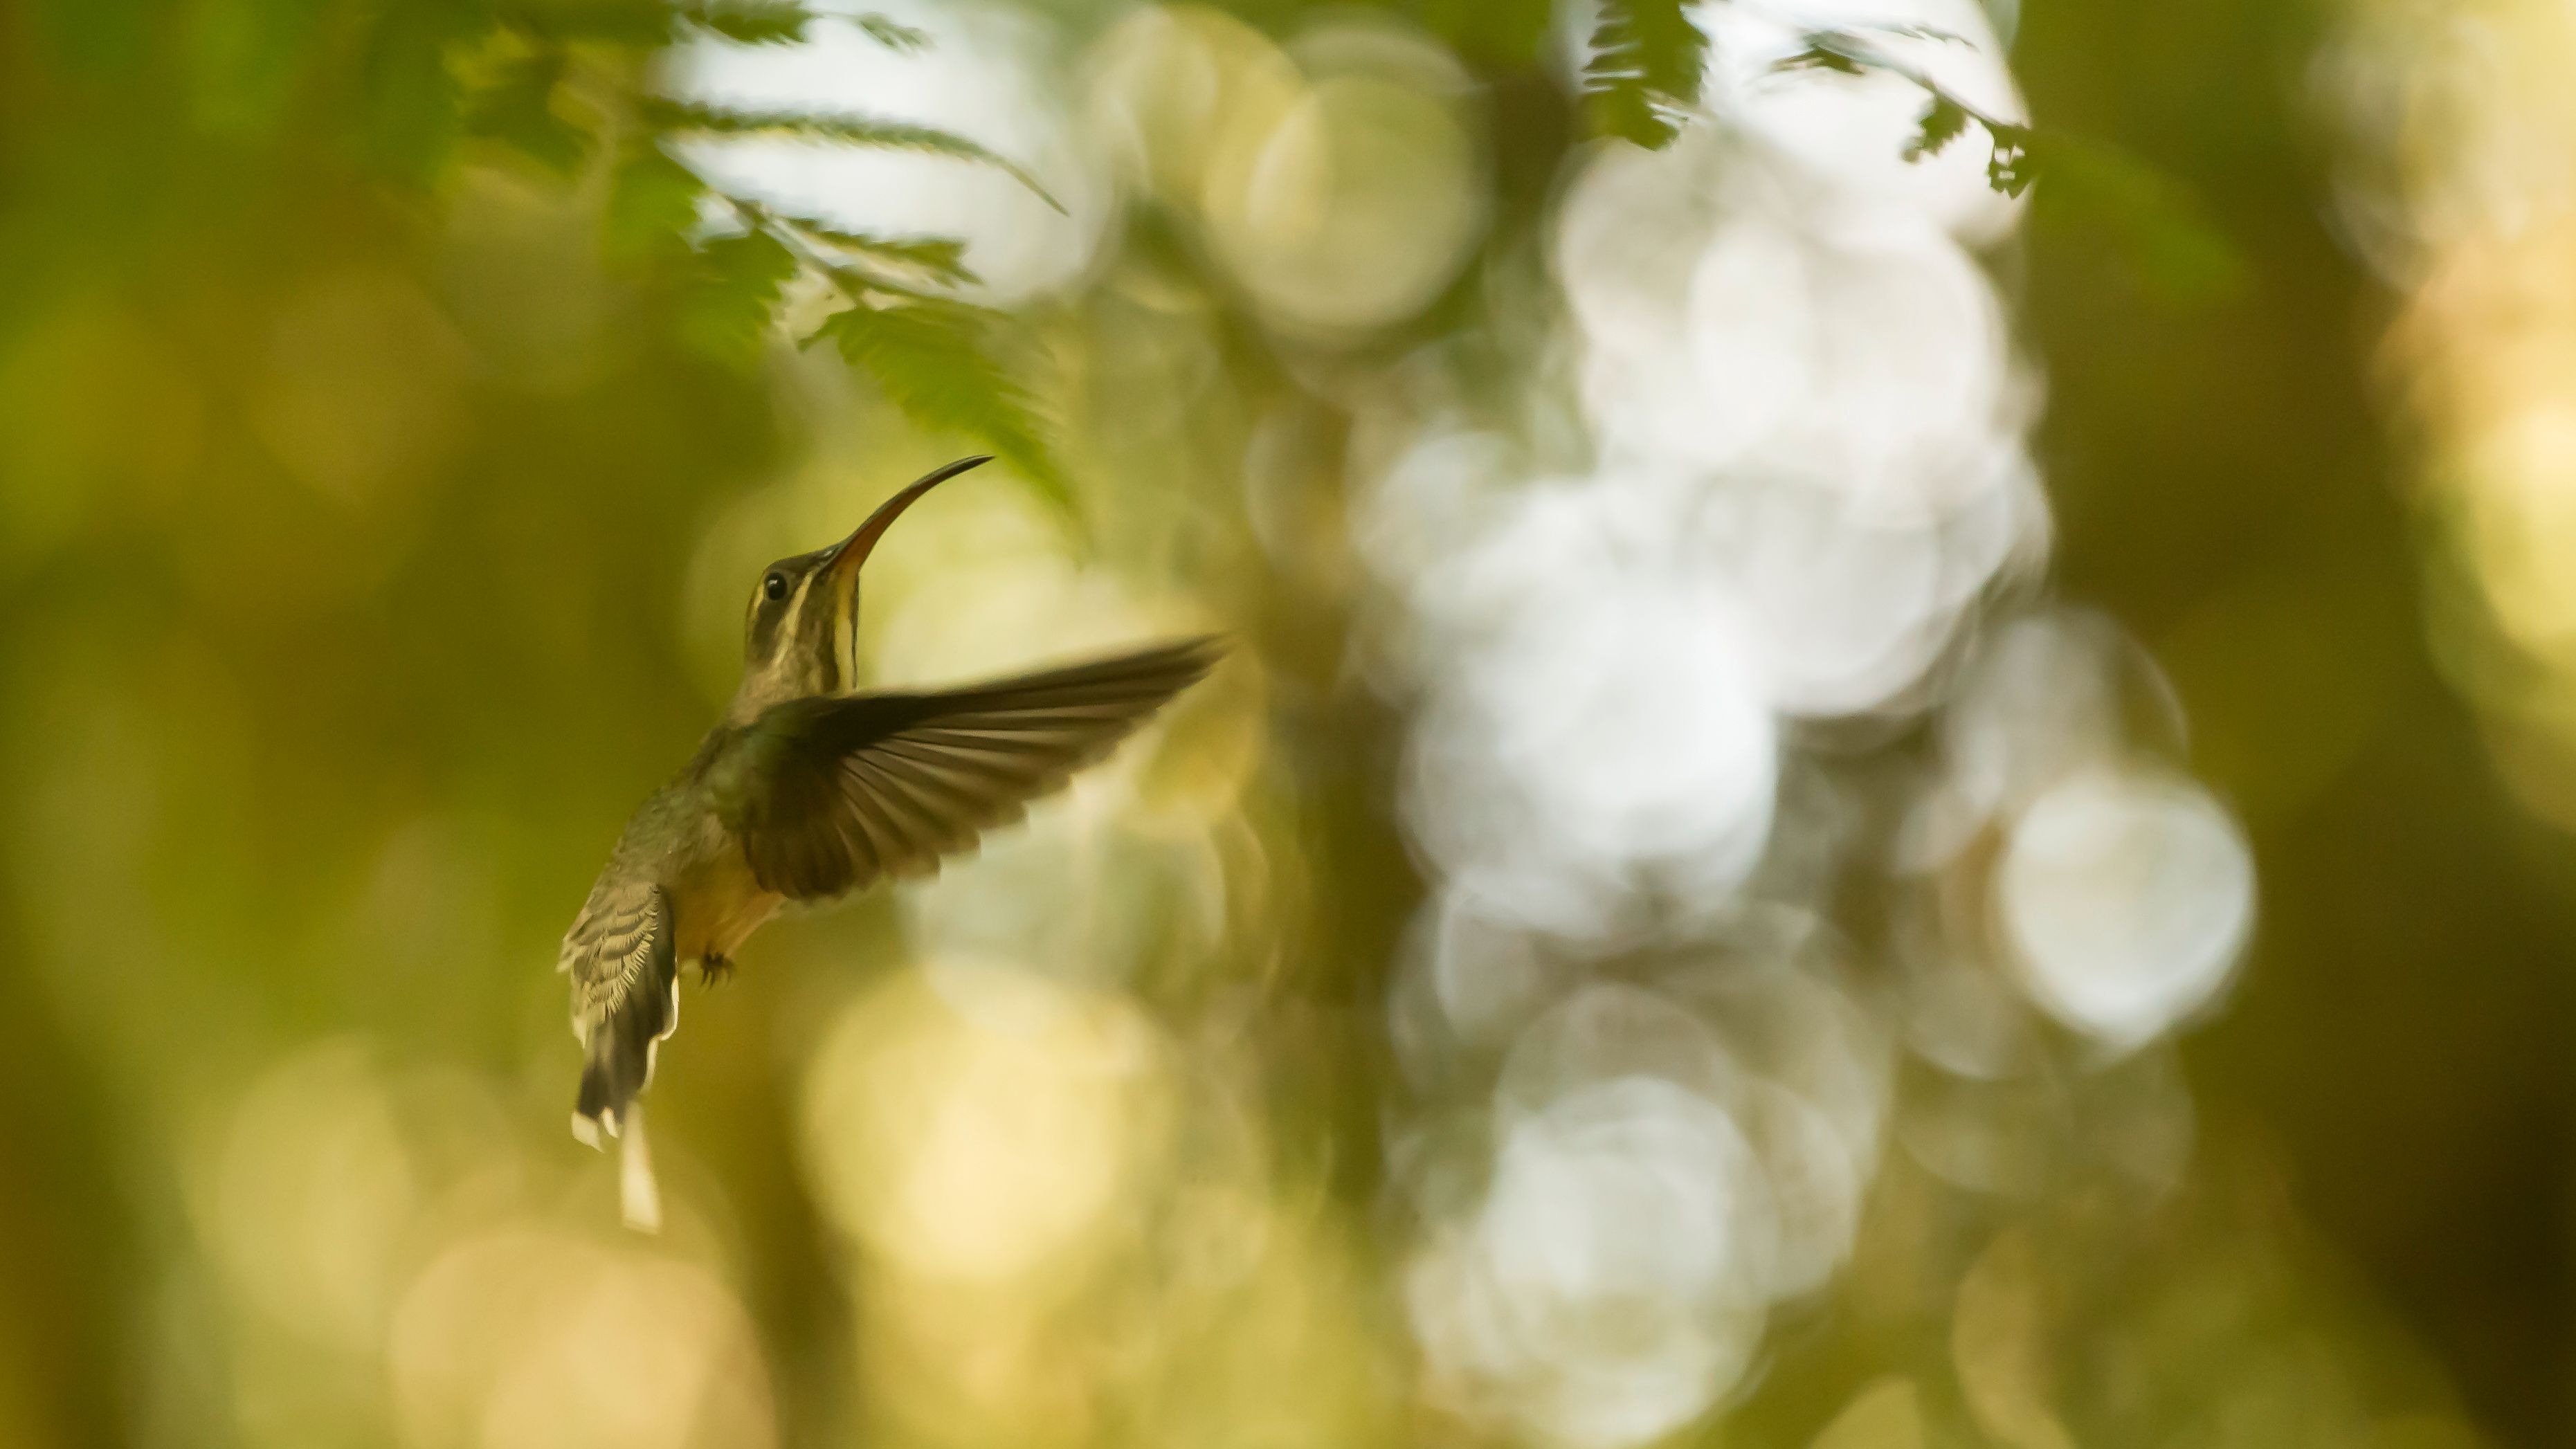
715,970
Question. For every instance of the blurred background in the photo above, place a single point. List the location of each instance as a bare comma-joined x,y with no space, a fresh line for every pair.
1850,810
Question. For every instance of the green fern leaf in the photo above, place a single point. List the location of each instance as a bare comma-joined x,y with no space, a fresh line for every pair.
941,258
749,22
689,118
2015,162
1908,30
1644,74
1820,56
652,202
726,309
1943,122
935,360
899,38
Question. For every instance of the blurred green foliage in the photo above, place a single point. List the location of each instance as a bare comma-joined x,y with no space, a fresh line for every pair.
382,405
402,95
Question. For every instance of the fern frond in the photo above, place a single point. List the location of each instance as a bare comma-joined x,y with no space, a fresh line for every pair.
732,294
1820,57
899,38
934,359
2015,163
1943,122
652,201
1645,70
1945,114
1907,30
2172,244
941,258
691,118
749,22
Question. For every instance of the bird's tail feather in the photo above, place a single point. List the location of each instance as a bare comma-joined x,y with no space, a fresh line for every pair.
619,1063
619,1051
639,1194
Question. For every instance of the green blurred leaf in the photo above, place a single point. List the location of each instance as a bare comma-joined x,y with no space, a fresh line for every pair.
750,22
518,111
1847,50
635,24
2152,221
2014,163
690,118
935,360
652,202
1943,122
2166,241
899,38
941,257
1819,56
1644,74
1906,30
413,105
732,293
1945,118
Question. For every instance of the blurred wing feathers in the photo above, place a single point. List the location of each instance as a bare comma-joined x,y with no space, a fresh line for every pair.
832,794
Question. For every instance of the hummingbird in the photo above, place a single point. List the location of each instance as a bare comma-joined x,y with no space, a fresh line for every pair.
809,791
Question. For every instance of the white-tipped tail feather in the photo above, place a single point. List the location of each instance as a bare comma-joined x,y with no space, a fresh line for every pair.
639,1194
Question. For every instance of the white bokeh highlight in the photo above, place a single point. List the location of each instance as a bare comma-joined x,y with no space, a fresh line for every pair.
1658,1095
2127,898
1609,1286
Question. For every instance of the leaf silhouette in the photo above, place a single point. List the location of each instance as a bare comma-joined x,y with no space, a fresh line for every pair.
941,258
750,22
2169,243
652,202
1644,73
1943,122
690,118
899,38
1820,57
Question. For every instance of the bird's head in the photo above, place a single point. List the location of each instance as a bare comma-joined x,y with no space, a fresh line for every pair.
801,630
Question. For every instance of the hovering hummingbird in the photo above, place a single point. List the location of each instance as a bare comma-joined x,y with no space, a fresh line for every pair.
810,792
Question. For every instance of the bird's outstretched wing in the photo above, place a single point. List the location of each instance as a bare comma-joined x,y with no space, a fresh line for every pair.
625,996
828,795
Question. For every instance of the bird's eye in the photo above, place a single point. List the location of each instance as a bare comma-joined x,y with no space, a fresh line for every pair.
774,587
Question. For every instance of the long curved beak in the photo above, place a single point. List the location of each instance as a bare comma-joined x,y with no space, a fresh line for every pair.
845,560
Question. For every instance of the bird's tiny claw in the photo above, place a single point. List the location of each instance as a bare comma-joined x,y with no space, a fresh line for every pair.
715,970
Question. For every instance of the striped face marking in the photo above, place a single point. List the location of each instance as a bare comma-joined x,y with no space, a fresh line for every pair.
797,635
845,639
